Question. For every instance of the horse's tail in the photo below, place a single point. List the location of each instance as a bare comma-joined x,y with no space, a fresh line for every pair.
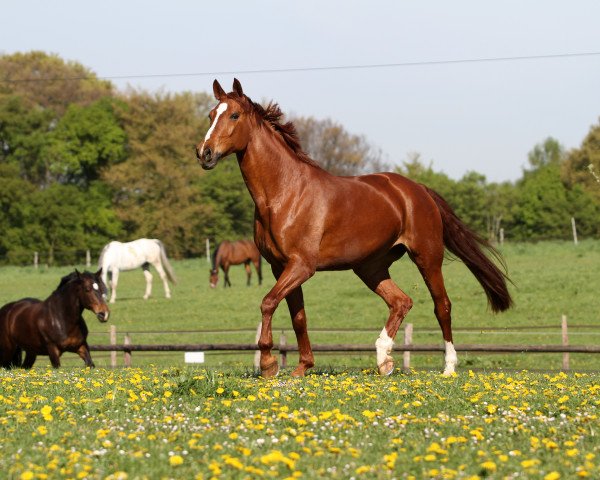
213,257
468,246
165,263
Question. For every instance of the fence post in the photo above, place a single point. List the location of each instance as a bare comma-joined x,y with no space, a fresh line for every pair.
113,341
574,227
408,330
127,359
501,236
565,342
282,350
88,259
257,353
36,258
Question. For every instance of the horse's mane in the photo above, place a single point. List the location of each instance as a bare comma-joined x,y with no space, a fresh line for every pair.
67,279
272,116
214,256
71,277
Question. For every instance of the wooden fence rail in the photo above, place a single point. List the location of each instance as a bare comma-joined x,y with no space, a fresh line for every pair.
283,347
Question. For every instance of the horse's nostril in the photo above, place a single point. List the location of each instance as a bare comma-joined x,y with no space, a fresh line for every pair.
207,153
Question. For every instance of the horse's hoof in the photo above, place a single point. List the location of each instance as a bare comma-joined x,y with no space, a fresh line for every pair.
387,367
299,371
270,370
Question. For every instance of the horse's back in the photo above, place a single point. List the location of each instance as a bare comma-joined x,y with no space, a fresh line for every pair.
18,318
130,255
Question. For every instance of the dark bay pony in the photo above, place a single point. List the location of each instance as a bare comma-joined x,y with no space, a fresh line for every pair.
55,325
235,253
308,220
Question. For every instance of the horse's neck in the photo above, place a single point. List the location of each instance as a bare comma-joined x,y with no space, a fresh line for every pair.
66,304
270,168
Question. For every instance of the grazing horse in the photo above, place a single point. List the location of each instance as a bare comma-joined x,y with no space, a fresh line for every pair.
55,325
234,253
307,220
144,252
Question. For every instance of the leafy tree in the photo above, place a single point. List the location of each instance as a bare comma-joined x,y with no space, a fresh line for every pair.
85,140
23,134
156,192
582,165
50,82
335,149
545,204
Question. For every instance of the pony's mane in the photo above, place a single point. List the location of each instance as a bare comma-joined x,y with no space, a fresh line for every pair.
272,116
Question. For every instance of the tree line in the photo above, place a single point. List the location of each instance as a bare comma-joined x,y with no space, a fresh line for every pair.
82,163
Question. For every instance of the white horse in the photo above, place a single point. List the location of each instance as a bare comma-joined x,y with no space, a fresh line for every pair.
140,253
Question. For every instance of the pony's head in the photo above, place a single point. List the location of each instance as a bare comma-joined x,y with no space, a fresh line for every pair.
91,292
213,279
230,126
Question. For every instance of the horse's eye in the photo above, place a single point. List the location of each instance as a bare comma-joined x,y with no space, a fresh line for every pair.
235,116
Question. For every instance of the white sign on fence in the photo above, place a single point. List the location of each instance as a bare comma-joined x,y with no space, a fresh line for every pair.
194,357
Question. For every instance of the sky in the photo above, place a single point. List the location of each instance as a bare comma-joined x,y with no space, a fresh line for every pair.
413,93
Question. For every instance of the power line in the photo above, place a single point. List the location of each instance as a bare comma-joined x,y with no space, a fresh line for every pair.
310,69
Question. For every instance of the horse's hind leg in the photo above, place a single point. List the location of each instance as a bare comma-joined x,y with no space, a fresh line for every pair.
430,267
295,301
29,360
399,304
148,276
163,277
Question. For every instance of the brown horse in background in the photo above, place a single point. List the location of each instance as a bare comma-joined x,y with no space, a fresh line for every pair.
308,220
235,253
55,325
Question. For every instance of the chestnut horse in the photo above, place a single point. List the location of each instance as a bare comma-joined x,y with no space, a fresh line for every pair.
55,325
307,220
234,253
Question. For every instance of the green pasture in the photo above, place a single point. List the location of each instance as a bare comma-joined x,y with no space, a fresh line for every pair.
550,279
194,423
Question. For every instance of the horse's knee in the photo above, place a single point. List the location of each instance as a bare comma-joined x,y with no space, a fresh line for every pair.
268,306
401,307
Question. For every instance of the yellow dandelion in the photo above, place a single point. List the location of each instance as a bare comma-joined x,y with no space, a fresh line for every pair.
175,460
552,476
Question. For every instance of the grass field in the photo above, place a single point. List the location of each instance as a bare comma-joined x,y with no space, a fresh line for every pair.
167,420
185,423
551,279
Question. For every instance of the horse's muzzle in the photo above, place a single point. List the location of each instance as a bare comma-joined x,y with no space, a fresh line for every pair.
103,316
208,159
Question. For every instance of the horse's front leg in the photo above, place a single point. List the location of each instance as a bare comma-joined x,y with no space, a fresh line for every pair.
148,277
295,301
114,280
289,278
248,273
54,354
84,352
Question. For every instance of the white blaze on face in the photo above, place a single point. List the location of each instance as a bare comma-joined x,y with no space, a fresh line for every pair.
220,109
95,286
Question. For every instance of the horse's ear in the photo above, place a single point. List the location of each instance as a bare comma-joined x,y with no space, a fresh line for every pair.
99,273
237,87
218,90
78,273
